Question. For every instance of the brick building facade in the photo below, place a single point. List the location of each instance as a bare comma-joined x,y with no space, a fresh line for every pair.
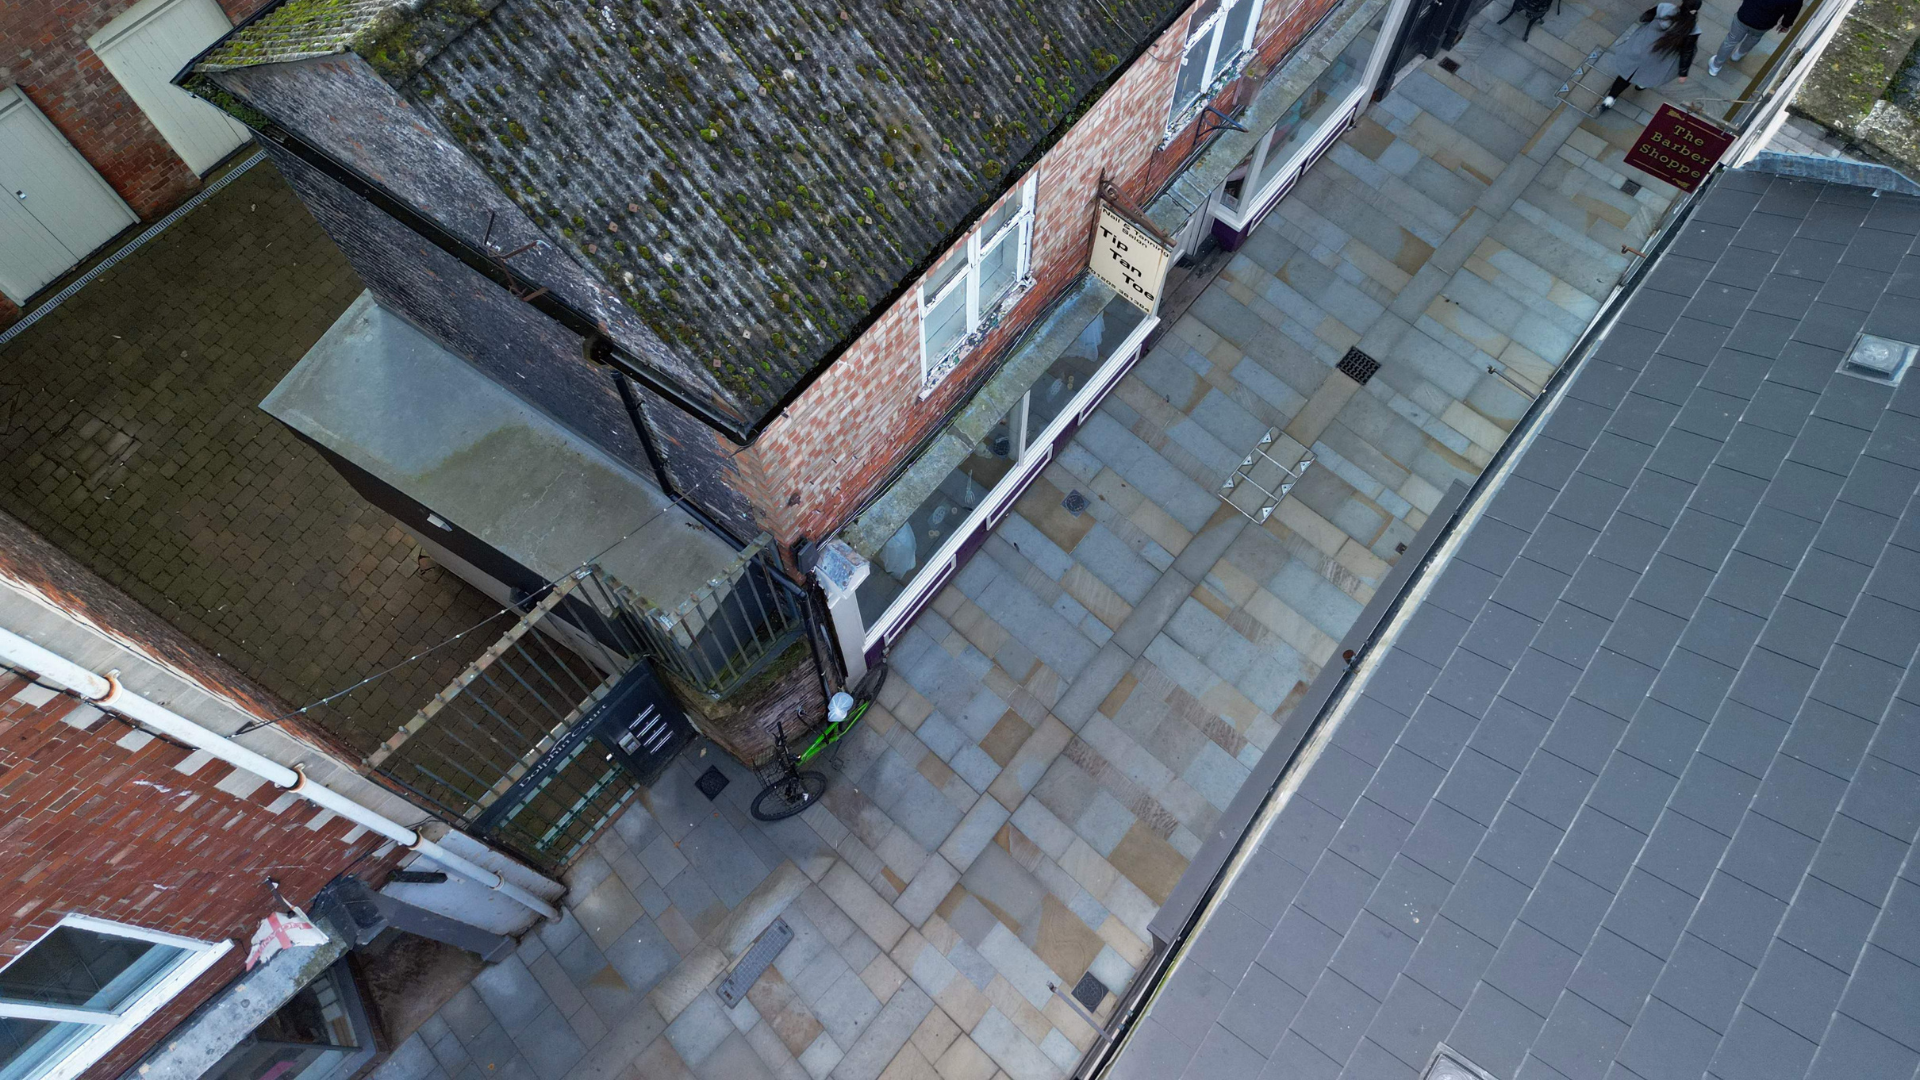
116,832
106,821
44,51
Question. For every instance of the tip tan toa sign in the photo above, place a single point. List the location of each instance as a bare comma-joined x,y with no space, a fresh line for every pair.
1132,261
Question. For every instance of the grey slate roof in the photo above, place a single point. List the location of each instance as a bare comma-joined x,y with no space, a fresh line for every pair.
1633,794
753,179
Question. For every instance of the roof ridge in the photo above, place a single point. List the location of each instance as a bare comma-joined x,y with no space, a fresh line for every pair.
396,37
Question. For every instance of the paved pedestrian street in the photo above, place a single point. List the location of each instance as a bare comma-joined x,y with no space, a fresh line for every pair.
1081,703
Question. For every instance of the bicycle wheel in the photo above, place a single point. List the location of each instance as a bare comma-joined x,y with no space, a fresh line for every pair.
789,795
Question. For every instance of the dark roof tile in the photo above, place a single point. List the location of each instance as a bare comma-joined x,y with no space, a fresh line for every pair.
1476,786
1532,968
1372,954
1885,796
1443,840
1600,848
1531,587
1409,896
1722,632
1632,791
1744,737
1494,1031
1500,634
1882,994
1858,858
1615,974
1714,794
1438,731
1615,683
1852,1050
1773,683
1297,1059
1682,852
1667,1044
1828,738
1262,1007
1411,1022
1856,682
1299,949
1758,1048
1223,1053
1797,990
1738,917
1580,1039
1450,961
1335,890
1601,587
1828,923
1768,855
1405,783
1704,982
1335,1015
1370,836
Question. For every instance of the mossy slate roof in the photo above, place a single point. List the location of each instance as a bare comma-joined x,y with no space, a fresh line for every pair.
753,177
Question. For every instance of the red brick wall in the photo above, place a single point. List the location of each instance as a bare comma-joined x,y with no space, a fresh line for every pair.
43,48
95,822
832,449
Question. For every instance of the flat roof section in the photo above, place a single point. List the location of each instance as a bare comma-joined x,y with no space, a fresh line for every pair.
1632,793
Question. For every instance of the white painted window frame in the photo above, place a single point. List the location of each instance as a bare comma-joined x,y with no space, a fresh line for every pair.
1251,206
1218,64
1018,230
112,1027
1031,459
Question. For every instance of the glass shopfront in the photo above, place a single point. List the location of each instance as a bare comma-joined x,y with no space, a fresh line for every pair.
1305,131
913,556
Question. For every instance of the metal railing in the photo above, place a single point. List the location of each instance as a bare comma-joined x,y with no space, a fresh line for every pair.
715,639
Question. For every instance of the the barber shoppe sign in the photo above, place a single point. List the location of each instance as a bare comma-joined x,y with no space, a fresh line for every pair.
1678,148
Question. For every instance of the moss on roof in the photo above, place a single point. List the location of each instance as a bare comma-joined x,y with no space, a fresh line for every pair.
1867,82
752,177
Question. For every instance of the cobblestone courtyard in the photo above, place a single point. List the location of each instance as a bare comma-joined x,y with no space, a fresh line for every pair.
131,436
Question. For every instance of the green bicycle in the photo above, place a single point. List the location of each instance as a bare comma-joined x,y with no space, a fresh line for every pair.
793,788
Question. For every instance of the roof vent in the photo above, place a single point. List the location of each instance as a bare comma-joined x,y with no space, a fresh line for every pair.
1449,1064
1880,359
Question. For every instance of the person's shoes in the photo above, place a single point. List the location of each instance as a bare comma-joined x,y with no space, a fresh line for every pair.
1607,102
1713,66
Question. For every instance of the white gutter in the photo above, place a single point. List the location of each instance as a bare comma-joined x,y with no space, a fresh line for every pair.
106,692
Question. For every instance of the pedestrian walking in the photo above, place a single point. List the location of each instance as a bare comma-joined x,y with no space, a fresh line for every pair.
1750,24
1658,51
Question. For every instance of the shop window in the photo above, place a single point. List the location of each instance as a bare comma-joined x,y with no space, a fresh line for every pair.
83,987
1218,35
966,294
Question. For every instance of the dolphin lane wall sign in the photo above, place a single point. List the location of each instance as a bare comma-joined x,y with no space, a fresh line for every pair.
1129,259
1678,148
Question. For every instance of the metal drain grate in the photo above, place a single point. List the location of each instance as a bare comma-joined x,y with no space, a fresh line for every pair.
1358,366
1629,187
755,964
1090,992
1449,65
712,783
1075,502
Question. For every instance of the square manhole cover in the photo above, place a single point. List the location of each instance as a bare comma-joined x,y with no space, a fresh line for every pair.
1075,502
712,782
1090,991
